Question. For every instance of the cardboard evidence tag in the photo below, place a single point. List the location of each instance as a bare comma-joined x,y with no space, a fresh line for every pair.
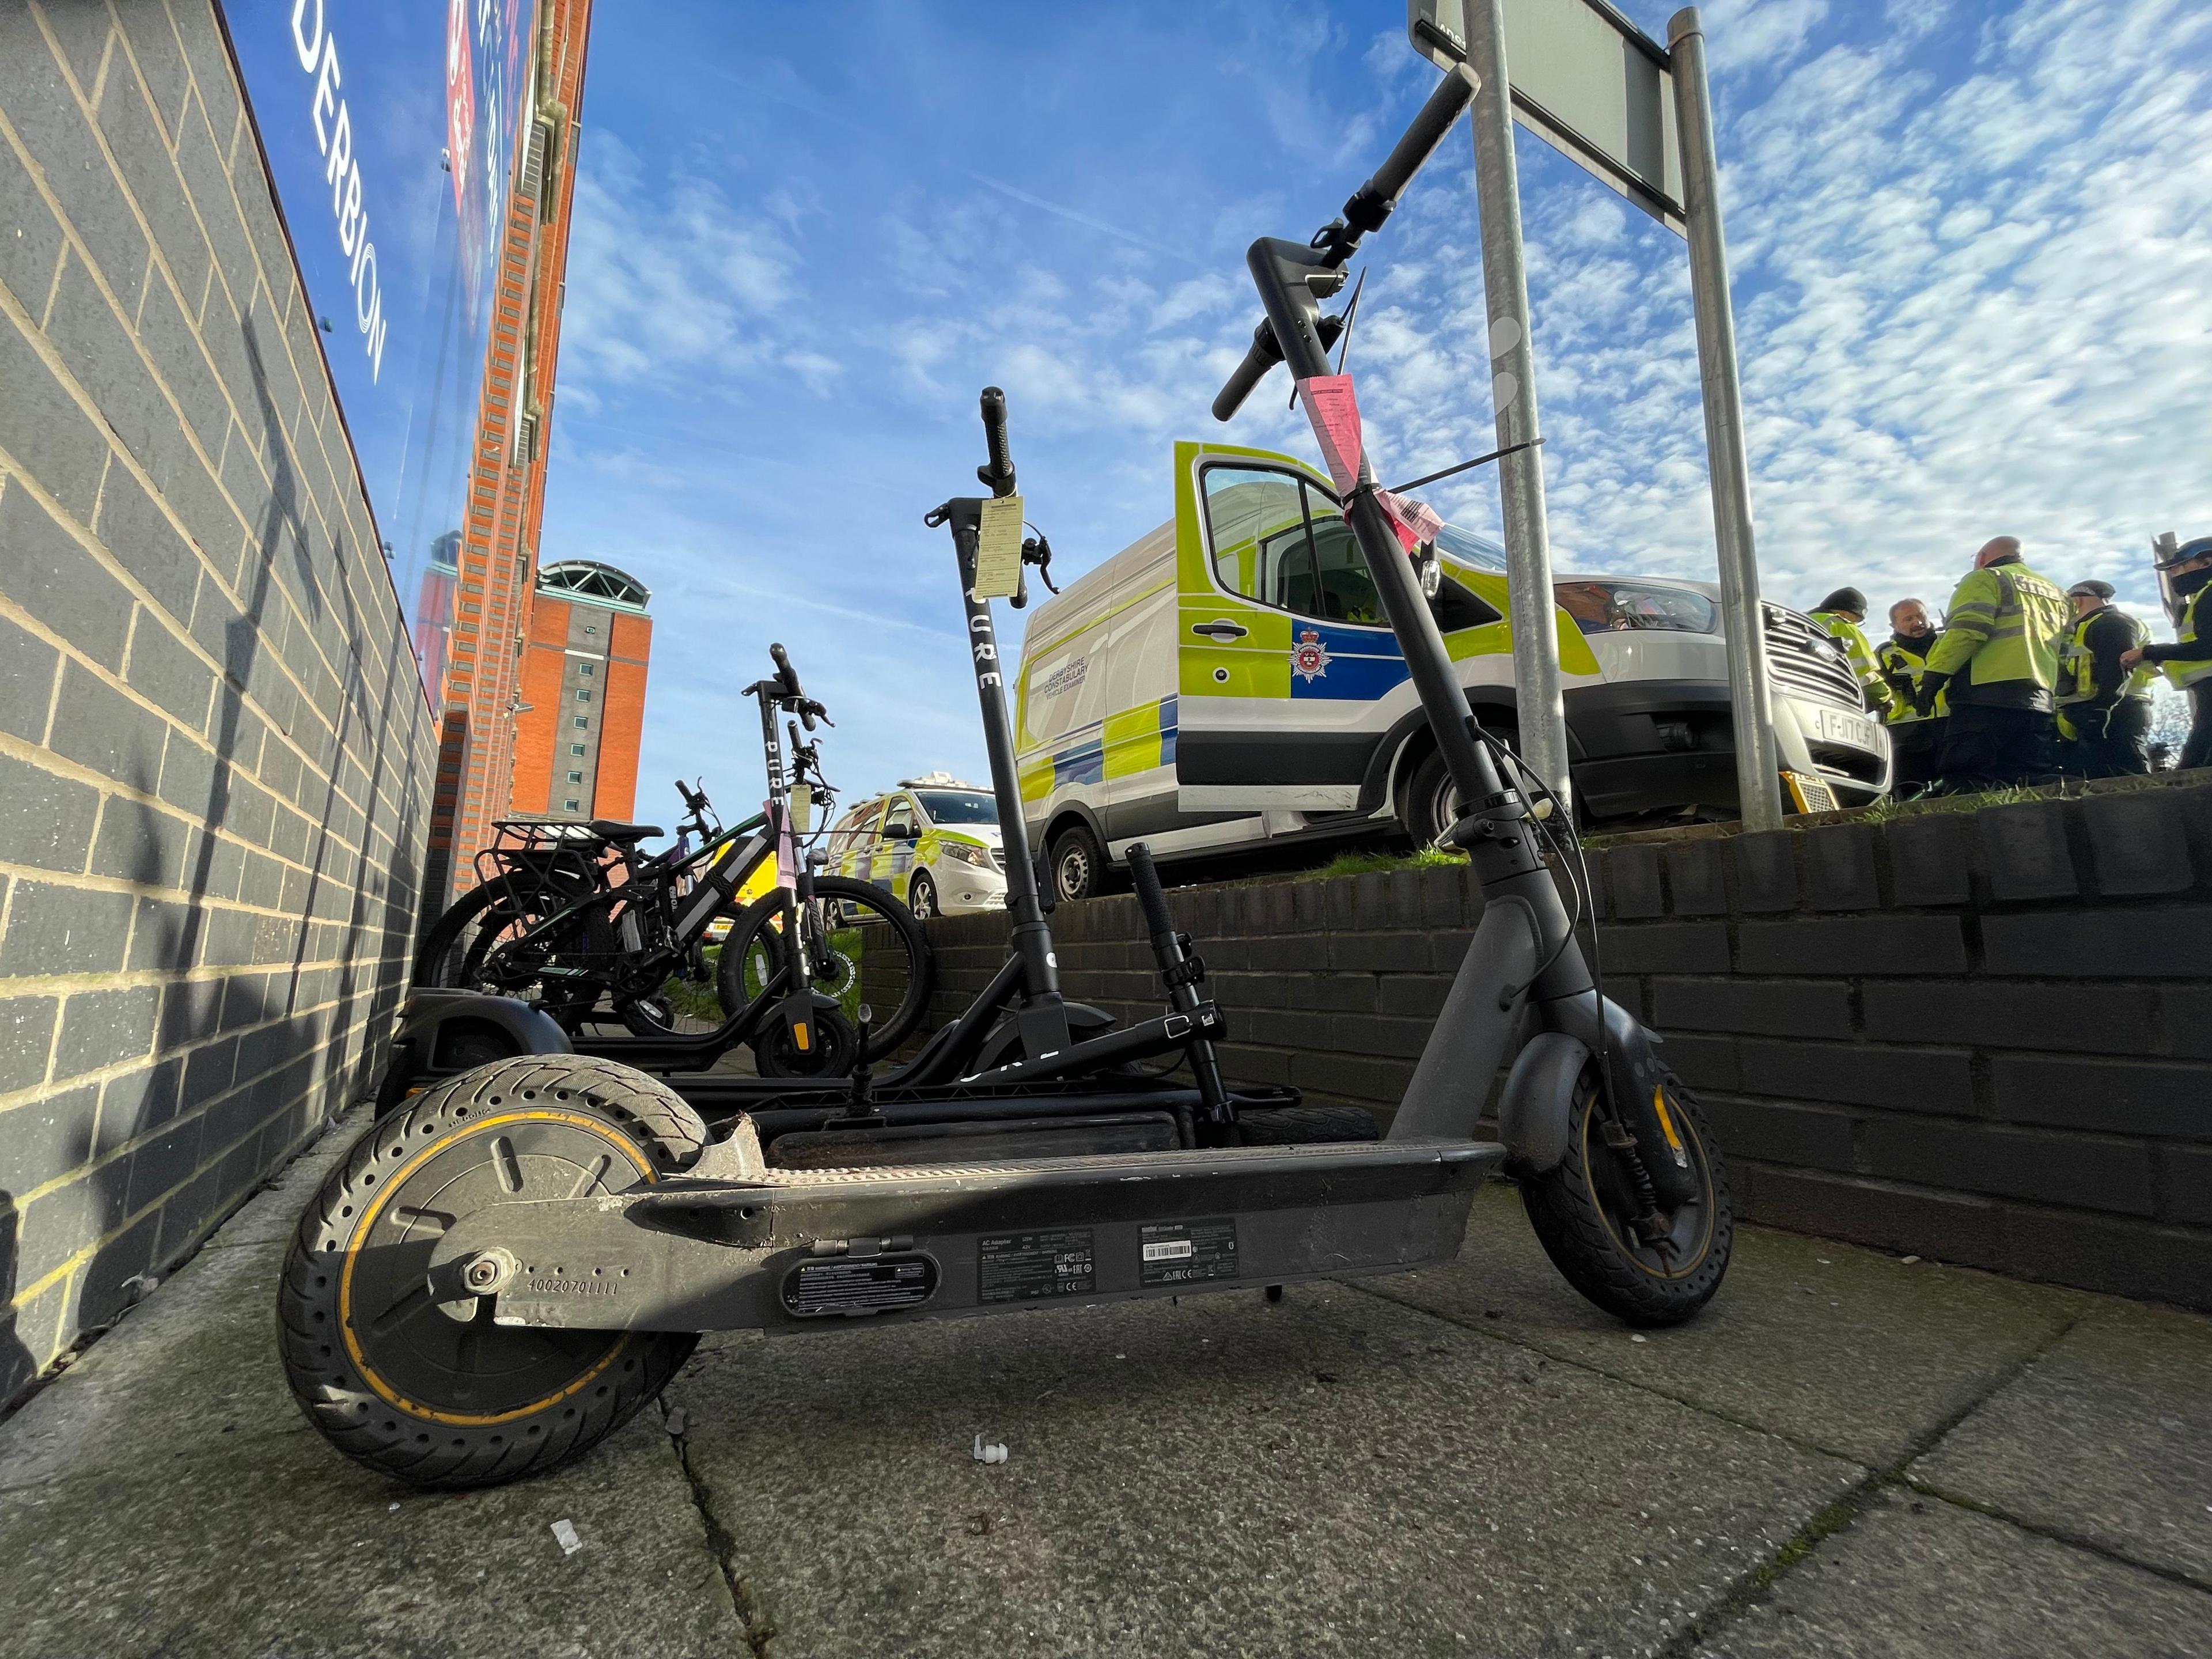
1334,413
999,549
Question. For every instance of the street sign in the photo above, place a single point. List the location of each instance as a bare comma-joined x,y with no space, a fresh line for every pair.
1587,81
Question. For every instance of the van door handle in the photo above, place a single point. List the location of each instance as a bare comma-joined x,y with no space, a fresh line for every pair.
1219,630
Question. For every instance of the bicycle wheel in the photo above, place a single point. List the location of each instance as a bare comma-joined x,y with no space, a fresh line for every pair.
476,945
864,949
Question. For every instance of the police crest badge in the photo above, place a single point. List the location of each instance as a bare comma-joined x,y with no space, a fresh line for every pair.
1309,656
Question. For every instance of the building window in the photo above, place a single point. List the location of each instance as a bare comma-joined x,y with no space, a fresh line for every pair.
583,694
575,777
577,748
571,807
588,669
583,724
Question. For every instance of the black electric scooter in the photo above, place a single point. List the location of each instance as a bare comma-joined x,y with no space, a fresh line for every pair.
499,1276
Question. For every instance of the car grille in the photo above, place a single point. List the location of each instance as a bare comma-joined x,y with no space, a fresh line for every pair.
1854,763
1801,657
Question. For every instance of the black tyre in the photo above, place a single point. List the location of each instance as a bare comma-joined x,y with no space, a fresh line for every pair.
461,952
1079,865
1432,801
1583,1213
1305,1125
922,897
865,948
833,1046
441,962
406,1386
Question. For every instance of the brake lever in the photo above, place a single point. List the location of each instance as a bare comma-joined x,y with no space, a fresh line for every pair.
1038,550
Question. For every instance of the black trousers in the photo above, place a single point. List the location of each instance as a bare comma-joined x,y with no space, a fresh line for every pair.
2117,748
2197,750
1916,753
1991,748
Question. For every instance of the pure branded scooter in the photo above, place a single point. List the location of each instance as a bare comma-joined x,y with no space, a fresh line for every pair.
503,1274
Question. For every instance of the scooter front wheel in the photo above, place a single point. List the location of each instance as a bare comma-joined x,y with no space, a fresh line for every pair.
435,1392
1596,1220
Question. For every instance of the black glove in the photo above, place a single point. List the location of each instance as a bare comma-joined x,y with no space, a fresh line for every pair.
1930,687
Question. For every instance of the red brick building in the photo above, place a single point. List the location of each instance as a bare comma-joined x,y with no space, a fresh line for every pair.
583,693
495,582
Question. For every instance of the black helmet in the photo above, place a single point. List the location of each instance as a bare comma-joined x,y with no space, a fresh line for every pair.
2093,588
1846,598
2201,548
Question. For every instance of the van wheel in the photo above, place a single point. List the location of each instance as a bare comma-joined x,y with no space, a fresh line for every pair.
1079,865
923,902
1432,799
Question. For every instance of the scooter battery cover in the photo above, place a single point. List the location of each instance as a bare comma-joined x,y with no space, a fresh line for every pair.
851,1286
1009,1138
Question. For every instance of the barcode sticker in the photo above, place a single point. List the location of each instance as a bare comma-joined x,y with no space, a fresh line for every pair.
1171,1249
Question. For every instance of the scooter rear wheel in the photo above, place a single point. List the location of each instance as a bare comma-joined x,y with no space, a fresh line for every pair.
435,1393
1583,1210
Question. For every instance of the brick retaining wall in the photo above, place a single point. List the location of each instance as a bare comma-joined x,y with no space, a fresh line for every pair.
1984,1036
214,751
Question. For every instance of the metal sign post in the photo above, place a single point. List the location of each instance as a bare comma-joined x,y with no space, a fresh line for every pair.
1727,463
1588,82
1543,716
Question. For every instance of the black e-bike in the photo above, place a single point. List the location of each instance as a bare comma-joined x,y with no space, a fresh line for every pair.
571,922
500,1275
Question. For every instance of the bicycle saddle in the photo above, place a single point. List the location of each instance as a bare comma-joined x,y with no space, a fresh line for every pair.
622,835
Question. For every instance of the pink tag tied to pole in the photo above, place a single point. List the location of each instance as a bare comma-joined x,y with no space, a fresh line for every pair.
1414,521
1334,413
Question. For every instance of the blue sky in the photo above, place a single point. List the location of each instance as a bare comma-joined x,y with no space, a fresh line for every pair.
1972,249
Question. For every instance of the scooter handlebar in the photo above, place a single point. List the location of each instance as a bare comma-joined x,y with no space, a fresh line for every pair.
1264,353
999,475
1371,203
786,676
1145,877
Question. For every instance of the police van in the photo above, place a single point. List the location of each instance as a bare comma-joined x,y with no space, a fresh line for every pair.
931,842
1229,681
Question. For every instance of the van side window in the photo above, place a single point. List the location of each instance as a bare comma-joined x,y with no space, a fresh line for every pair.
1279,541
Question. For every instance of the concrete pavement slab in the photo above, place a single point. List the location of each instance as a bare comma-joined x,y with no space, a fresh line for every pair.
291,1550
1916,1578
1845,1349
1330,1475
2107,1438
190,1371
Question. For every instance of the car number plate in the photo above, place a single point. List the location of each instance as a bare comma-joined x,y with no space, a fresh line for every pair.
1856,730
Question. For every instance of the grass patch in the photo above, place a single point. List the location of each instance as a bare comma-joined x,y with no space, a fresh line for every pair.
1375,860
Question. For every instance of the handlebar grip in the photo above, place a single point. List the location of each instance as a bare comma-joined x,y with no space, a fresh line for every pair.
1145,877
785,671
1262,356
1372,204
999,474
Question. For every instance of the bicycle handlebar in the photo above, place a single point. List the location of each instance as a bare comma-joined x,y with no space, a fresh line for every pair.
999,475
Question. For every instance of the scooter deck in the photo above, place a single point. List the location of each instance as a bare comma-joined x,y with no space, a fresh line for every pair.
738,1245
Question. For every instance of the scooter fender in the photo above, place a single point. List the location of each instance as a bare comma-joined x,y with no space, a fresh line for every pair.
1535,1114
443,1033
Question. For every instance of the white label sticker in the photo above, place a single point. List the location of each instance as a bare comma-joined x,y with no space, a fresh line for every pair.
999,549
1171,1249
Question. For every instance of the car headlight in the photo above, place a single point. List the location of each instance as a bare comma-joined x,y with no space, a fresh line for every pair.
968,852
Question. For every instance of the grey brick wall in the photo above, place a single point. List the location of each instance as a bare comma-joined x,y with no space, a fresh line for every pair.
1983,1036
213,751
